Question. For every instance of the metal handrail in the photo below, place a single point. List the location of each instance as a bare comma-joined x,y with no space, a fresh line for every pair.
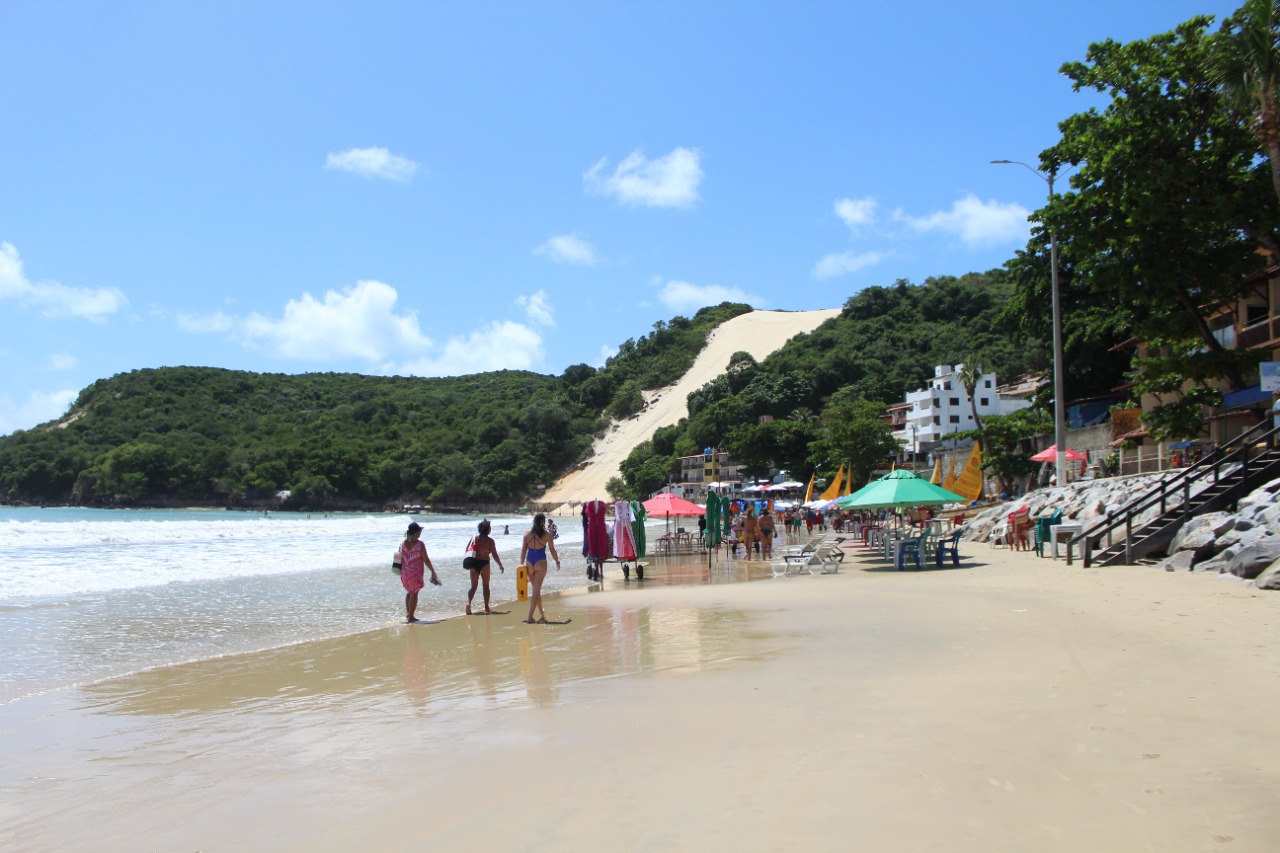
1234,451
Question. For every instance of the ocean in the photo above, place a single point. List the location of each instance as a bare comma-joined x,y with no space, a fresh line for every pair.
88,594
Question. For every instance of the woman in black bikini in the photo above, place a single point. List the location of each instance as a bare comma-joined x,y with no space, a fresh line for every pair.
484,548
533,553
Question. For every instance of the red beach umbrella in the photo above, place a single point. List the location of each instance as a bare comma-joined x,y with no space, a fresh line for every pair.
1052,453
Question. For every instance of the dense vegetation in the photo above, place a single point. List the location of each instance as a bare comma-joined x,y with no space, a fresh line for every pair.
210,436
816,403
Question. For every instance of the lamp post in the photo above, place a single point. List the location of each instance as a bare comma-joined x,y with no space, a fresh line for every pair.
1059,398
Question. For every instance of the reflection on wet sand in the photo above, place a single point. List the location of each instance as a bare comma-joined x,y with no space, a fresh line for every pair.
462,664
277,726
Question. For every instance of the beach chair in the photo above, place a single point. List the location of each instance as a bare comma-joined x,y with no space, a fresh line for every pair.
1019,529
1043,525
909,549
824,560
950,545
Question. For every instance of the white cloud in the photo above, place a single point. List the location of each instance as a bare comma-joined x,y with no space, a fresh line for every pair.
40,407
975,222
363,322
606,352
683,296
51,298
670,181
360,322
856,212
62,361
373,163
842,263
538,307
502,345
568,249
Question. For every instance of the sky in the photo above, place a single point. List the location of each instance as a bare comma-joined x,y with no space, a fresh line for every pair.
444,188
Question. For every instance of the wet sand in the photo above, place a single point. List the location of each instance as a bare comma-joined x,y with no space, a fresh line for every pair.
1012,704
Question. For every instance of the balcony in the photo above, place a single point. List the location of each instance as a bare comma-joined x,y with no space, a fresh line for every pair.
1258,334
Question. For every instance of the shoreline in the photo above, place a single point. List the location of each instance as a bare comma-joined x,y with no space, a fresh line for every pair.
1030,706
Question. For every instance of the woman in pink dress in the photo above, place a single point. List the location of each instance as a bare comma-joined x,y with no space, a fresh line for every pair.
413,561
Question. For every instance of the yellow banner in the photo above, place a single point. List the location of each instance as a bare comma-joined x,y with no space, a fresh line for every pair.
833,491
808,493
951,476
969,484
936,479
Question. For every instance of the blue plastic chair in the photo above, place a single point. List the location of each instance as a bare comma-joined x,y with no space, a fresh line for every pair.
909,548
950,545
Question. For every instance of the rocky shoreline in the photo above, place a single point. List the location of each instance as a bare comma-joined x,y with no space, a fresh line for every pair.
1244,544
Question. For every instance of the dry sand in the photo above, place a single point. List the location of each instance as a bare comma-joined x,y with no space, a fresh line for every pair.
759,333
1013,704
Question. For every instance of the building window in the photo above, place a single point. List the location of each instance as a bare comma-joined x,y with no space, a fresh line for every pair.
955,401
986,384
937,421
955,419
982,402
946,386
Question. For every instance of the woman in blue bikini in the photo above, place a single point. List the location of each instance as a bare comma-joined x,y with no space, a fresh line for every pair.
533,553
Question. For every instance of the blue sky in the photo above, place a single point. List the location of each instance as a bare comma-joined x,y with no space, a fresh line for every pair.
444,188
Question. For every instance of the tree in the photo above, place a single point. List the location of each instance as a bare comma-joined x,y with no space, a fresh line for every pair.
970,375
853,434
1007,444
1246,64
1168,205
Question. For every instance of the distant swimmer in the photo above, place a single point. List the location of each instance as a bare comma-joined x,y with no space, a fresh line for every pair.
413,559
533,554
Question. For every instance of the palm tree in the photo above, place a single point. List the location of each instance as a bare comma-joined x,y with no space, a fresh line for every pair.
1247,68
970,374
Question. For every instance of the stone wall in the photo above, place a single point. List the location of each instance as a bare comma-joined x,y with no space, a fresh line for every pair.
1244,544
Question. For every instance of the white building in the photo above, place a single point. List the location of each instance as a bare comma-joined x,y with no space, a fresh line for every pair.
943,407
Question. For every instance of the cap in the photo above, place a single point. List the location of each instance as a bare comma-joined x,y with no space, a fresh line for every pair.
414,527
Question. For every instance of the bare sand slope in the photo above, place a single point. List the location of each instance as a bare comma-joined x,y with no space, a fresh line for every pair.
759,333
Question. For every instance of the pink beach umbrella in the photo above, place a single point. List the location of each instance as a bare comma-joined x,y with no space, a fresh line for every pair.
1052,453
667,505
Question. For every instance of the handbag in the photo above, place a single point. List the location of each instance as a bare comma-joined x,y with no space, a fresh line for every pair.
395,562
469,561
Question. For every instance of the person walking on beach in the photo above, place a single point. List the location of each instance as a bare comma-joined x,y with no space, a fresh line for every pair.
750,531
483,549
533,553
413,559
767,532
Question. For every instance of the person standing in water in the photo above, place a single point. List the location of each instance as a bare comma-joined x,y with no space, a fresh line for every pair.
533,553
484,549
413,559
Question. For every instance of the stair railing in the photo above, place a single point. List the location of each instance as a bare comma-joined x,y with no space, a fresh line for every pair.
1237,451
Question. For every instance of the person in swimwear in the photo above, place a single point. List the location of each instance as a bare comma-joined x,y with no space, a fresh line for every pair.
484,550
533,553
414,560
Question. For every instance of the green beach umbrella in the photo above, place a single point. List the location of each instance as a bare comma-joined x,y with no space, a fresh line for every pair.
898,488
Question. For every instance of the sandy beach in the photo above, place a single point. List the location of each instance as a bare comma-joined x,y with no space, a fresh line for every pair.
1012,704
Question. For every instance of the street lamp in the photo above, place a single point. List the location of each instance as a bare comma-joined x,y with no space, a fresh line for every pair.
1059,398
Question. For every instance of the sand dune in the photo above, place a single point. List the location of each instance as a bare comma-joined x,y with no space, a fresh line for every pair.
759,333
